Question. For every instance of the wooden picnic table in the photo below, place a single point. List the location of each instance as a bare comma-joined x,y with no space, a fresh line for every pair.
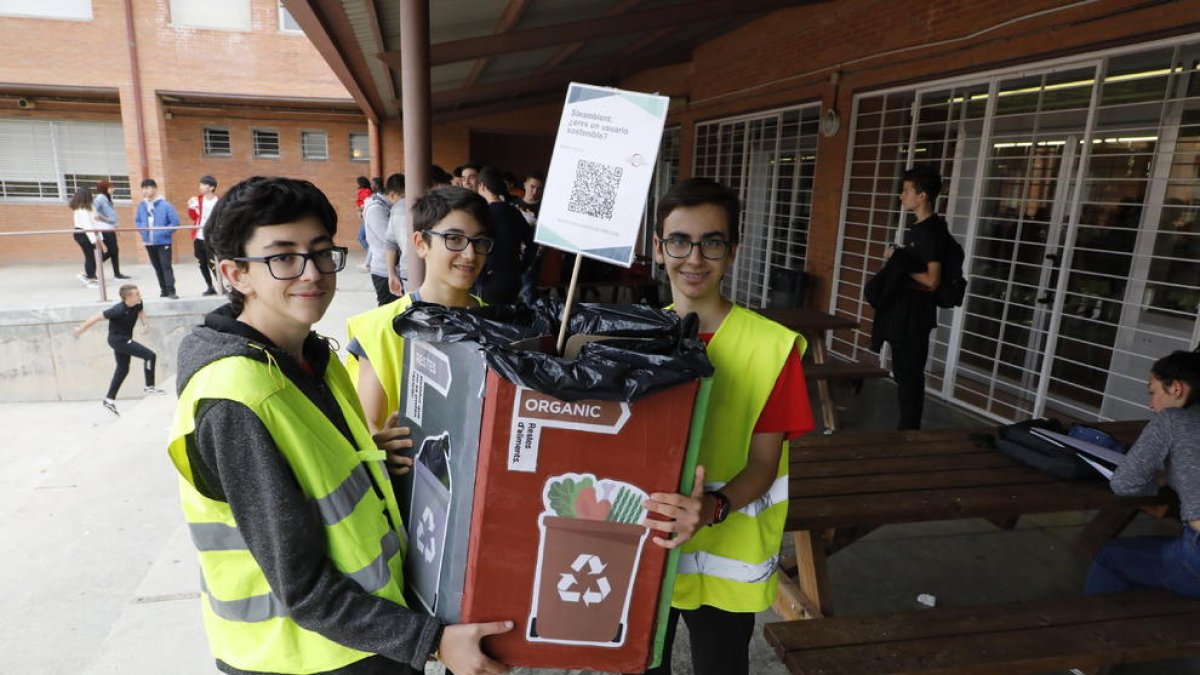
842,486
813,325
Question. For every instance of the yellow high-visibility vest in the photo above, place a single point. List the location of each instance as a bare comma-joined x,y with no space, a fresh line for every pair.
733,565
384,349
348,485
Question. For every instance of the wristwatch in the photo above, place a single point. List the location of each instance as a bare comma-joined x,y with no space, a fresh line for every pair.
721,510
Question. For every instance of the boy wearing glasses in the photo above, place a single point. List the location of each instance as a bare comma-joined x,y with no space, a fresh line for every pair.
284,489
731,527
451,232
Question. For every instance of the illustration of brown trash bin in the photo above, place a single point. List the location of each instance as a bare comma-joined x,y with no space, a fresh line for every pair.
587,560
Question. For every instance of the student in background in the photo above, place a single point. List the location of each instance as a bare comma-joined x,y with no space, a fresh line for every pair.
121,319
1166,452
105,217
200,207
86,234
157,220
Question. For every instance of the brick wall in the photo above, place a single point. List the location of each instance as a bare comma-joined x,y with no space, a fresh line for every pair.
787,58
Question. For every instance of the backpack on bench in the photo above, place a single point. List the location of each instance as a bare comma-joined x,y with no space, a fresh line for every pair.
1020,443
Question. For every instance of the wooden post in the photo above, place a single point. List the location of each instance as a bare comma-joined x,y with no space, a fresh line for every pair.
566,315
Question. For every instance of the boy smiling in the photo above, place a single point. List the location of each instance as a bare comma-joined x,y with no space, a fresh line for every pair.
284,489
727,570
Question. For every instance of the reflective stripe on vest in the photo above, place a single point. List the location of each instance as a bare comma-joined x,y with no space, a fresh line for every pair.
703,562
248,626
731,566
778,494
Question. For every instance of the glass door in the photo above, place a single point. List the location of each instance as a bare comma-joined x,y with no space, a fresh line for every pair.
1023,215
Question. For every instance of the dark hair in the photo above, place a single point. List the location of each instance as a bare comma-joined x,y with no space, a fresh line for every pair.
438,176
209,181
458,170
435,205
363,182
697,191
125,289
103,187
82,199
377,184
149,182
395,183
536,175
925,179
260,201
1179,366
492,178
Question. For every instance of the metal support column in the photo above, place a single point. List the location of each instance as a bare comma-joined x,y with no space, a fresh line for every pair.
415,97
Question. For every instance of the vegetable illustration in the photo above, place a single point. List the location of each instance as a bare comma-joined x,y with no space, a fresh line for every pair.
586,498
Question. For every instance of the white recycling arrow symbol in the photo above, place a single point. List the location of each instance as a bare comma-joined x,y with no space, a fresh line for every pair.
595,586
426,529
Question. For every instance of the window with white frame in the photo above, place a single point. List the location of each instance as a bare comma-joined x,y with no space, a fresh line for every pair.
217,143
211,14
287,23
1073,187
265,143
314,145
360,146
50,160
768,159
48,9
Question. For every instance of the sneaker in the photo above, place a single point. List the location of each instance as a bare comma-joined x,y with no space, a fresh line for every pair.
92,283
171,296
122,276
153,390
211,291
83,278
112,406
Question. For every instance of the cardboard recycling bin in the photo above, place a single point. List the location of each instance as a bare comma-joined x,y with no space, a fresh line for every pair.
537,519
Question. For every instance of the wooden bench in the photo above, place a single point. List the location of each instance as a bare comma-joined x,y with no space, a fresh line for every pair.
1087,633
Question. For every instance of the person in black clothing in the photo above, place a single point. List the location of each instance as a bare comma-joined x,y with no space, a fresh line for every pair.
121,318
500,281
926,241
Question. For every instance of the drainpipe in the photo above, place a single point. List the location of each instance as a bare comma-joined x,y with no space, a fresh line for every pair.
415,93
376,144
136,77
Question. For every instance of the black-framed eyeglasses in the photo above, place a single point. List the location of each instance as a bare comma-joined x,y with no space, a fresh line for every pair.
458,242
710,249
285,266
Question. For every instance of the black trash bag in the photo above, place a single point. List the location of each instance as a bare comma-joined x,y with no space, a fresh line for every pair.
655,349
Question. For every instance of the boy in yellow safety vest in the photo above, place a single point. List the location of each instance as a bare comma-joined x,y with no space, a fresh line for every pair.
730,528
451,233
284,489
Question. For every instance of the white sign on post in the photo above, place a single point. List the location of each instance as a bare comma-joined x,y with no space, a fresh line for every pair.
600,172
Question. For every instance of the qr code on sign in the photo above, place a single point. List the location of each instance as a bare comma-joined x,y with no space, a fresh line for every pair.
595,189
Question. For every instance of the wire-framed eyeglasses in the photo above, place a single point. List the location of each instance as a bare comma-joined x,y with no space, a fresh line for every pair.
285,266
457,242
710,249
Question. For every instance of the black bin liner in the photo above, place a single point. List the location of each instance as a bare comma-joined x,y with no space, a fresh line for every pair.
654,349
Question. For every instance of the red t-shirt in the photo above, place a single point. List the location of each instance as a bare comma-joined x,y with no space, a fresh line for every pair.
788,410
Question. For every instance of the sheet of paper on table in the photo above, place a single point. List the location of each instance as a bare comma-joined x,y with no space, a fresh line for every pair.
1099,457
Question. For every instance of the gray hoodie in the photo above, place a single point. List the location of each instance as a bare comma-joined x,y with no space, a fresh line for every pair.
236,461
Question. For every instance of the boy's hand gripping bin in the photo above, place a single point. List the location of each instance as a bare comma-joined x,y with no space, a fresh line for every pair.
525,499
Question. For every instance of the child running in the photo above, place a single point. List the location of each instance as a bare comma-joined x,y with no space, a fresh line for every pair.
121,318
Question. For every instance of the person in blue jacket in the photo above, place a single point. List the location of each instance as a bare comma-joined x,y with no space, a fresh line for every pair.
152,213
